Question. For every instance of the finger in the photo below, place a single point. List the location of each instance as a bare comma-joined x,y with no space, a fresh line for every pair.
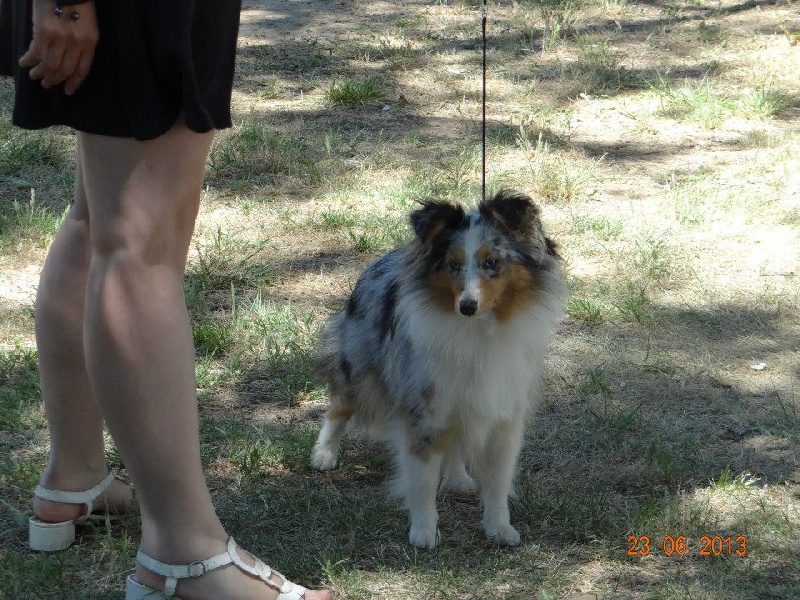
35,54
69,63
81,71
50,64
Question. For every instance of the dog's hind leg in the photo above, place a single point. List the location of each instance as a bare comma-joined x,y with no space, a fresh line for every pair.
455,476
325,454
495,476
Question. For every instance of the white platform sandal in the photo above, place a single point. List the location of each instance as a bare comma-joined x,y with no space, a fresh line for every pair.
136,591
51,537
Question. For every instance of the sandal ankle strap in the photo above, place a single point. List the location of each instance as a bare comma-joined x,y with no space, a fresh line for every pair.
86,497
173,573
198,568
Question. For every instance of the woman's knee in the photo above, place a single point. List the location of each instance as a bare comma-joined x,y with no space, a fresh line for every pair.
64,274
137,237
143,210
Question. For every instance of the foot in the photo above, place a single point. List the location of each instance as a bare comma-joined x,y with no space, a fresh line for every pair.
424,530
117,499
224,583
461,484
501,533
323,458
424,537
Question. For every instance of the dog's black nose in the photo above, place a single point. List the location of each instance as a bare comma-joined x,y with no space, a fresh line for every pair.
468,307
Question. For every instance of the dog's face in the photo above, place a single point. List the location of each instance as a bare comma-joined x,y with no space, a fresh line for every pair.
486,261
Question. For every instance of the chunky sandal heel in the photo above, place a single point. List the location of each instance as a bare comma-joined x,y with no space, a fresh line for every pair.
136,591
51,537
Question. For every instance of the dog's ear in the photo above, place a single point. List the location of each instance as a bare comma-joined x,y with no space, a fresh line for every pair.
434,217
514,212
518,216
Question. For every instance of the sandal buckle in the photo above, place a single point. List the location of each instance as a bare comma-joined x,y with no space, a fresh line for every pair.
197,568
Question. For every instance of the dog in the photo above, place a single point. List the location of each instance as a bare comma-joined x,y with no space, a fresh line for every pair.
439,351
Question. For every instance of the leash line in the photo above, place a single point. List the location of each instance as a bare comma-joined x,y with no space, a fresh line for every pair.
484,11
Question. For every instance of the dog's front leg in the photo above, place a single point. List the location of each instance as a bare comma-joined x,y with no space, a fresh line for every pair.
325,454
419,471
423,483
495,475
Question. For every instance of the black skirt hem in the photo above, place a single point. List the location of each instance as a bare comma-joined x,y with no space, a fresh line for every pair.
154,62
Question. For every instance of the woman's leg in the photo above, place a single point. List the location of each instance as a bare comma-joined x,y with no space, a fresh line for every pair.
143,198
76,461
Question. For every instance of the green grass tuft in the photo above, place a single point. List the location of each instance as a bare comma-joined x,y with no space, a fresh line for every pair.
354,92
19,390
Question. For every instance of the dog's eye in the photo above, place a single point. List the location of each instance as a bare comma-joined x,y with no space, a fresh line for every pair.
454,265
490,264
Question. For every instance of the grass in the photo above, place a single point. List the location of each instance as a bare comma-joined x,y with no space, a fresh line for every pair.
710,103
353,92
254,152
23,224
557,178
559,18
660,143
19,150
19,395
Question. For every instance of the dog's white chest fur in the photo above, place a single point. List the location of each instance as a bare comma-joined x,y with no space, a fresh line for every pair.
480,365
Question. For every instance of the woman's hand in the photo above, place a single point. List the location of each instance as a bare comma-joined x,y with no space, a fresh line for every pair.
62,49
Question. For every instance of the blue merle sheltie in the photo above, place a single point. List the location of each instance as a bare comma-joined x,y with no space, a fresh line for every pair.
439,352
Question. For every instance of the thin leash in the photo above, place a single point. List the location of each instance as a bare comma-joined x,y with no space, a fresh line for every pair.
484,13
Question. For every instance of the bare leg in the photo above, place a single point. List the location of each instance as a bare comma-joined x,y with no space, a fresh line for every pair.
76,461
143,198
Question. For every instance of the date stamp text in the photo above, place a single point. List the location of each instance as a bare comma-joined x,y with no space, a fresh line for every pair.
681,545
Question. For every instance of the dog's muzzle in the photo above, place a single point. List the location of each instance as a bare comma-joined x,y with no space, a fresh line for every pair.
468,307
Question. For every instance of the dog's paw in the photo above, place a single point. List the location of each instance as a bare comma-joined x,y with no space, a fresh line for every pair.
425,538
323,459
502,534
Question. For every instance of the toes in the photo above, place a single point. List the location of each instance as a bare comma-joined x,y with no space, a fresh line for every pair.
502,534
323,459
425,538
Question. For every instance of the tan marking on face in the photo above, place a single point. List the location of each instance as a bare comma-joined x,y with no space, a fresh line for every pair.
445,285
442,291
483,253
456,255
511,292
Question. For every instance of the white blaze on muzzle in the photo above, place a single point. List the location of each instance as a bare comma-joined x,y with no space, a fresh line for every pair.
469,301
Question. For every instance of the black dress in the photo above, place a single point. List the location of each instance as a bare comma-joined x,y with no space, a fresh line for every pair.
155,60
